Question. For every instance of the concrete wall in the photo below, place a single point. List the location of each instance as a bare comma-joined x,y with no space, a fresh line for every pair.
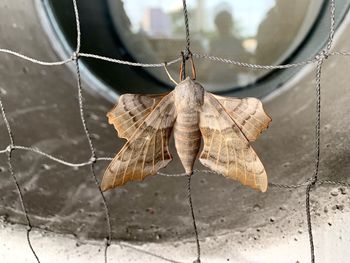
234,223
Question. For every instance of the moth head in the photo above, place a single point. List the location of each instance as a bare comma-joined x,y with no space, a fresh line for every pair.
189,95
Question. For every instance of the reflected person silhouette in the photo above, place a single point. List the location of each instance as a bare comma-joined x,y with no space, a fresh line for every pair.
226,44
279,29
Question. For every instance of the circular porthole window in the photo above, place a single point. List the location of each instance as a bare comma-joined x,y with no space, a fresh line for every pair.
260,32
268,32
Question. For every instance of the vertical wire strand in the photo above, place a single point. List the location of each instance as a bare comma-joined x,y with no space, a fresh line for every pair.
182,67
312,183
332,25
9,132
93,157
88,136
318,118
77,22
14,178
108,239
185,56
309,222
81,110
314,178
187,27
189,195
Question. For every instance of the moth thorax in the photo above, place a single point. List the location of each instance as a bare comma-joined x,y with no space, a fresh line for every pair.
188,95
187,138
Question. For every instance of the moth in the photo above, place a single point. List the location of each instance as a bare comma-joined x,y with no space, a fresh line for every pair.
226,124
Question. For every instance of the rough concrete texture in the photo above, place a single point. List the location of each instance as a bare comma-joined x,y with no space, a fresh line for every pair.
234,223
269,243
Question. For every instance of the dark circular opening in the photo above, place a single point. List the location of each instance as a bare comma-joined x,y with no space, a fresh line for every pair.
263,32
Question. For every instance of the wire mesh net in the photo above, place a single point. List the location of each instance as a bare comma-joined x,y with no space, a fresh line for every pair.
310,184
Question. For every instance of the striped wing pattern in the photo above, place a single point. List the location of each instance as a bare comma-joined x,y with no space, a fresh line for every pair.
247,113
131,111
146,150
226,147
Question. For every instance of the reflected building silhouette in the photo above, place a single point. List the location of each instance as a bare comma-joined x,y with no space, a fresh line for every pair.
225,44
138,43
278,30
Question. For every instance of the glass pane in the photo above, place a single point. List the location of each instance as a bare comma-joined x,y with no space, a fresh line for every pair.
259,31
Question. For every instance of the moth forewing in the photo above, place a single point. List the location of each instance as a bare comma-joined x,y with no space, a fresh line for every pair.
143,154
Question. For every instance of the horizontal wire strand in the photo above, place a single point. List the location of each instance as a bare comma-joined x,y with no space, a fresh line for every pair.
255,66
339,53
129,63
178,59
35,61
196,171
196,55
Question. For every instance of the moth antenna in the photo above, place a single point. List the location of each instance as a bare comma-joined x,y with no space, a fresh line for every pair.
183,66
194,74
169,76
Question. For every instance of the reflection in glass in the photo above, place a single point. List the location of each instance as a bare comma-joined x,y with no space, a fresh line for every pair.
259,31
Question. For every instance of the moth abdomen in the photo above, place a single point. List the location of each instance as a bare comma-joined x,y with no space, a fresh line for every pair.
187,138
